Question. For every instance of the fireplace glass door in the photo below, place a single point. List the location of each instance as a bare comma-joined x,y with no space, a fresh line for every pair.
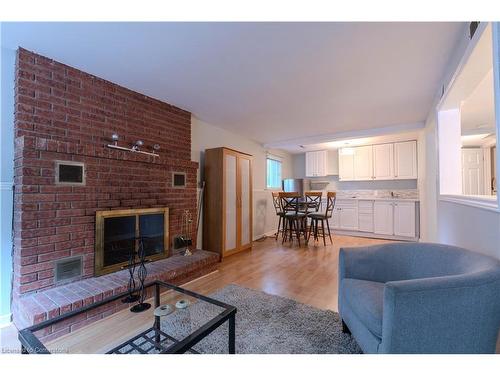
119,234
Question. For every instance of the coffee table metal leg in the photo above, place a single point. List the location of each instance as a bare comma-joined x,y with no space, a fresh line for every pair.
232,334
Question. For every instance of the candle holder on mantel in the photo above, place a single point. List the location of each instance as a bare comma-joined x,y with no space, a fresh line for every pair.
142,272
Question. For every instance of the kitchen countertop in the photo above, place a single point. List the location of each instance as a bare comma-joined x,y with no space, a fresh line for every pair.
380,199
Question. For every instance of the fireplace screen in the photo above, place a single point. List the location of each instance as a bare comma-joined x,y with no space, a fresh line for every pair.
118,234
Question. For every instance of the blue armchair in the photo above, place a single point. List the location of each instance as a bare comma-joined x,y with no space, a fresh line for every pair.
419,298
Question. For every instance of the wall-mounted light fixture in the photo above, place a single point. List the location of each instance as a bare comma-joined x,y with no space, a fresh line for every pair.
135,148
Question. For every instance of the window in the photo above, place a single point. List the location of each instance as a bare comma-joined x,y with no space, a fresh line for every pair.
273,173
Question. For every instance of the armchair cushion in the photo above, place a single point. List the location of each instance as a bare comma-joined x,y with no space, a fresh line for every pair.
365,299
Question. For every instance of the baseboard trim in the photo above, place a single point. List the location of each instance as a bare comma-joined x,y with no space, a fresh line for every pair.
5,320
373,235
271,233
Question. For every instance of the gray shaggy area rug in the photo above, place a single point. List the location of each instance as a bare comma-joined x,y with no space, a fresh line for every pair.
265,324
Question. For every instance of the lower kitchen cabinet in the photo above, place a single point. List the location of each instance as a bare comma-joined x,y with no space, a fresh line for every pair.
383,217
345,215
365,216
404,219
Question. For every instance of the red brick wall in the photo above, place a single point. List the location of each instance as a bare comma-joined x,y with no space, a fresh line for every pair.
63,113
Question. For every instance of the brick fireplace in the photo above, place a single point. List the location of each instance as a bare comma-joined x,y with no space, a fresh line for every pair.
64,114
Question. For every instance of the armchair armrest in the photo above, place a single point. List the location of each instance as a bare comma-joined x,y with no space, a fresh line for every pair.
449,314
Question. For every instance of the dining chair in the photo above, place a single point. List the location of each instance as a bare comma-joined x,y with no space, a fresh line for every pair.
294,224
316,217
313,201
279,213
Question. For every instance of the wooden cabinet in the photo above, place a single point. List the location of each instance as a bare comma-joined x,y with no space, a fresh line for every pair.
383,161
404,219
405,160
363,163
383,217
227,216
346,164
317,163
389,161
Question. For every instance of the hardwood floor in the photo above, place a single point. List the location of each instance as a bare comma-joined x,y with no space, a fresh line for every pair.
307,274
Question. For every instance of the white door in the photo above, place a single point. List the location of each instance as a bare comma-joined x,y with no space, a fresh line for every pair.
363,163
245,202
472,171
346,164
348,218
383,161
404,219
383,217
231,202
405,160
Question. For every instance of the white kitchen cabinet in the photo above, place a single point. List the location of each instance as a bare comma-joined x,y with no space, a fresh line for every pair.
363,163
391,218
383,161
404,219
333,162
389,161
365,219
349,218
346,164
317,163
383,217
405,160
335,219
345,215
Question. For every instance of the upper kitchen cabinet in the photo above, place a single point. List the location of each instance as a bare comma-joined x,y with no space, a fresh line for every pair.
346,164
333,163
389,161
363,163
405,160
383,161
317,163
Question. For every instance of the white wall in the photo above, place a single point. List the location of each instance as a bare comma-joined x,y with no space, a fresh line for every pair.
204,136
447,222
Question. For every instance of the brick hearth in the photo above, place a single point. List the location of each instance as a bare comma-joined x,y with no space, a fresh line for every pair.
62,113
36,308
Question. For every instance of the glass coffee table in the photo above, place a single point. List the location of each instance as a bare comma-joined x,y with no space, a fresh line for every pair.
186,318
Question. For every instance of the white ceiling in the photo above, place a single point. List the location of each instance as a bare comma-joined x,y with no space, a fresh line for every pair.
268,81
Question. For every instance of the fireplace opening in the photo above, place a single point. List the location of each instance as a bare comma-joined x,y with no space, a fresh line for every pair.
119,232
